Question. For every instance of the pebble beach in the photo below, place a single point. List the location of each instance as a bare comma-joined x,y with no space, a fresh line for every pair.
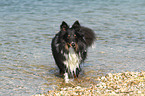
126,83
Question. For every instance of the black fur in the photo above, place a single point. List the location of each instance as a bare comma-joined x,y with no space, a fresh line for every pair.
77,37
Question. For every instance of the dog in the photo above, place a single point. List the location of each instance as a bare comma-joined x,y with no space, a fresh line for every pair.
69,48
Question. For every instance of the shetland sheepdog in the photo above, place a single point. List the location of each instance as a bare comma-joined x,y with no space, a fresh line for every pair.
69,48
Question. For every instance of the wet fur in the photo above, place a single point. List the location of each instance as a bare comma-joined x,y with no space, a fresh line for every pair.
69,47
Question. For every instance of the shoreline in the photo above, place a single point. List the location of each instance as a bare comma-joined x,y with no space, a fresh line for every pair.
126,83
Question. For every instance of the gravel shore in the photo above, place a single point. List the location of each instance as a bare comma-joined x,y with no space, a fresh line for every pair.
127,83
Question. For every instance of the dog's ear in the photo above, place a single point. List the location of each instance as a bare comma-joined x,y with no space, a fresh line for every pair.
76,26
64,26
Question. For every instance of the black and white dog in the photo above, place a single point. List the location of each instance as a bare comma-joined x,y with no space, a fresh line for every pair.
69,48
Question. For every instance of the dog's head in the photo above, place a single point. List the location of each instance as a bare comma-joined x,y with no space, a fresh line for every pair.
72,35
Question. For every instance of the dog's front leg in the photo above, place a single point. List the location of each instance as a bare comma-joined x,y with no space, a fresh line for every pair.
66,77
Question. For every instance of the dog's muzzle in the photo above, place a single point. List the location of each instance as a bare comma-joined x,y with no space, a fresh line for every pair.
72,44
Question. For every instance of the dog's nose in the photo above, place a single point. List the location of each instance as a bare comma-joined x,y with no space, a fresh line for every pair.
72,44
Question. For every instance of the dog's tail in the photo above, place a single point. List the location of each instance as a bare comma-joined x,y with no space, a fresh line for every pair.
89,35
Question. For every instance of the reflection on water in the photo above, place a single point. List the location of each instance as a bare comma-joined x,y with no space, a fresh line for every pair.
27,27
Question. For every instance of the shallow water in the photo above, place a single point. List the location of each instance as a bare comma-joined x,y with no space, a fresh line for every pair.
27,27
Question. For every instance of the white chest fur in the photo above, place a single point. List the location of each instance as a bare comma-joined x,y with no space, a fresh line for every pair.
72,61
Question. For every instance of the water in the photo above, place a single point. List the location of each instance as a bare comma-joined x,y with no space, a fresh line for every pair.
27,27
